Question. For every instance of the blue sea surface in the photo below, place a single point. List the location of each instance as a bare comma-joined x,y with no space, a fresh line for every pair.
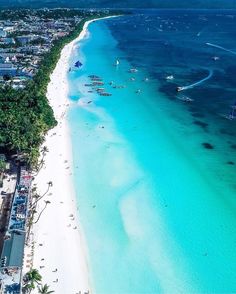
154,173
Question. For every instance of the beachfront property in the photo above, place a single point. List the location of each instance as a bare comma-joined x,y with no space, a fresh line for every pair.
24,42
26,39
26,58
12,255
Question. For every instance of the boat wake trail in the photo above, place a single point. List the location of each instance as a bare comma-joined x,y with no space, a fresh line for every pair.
222,48
199,82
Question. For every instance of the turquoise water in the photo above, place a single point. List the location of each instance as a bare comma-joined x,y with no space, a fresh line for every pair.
157,208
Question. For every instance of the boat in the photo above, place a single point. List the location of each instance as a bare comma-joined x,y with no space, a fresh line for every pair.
94,77
117,62
133,70
231,116
105,94
100,89
78,64
170,77
228,116
98,83
185,98
215,58
178,89
118,87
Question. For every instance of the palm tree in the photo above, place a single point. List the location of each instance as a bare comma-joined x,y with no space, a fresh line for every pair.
2,169
30,224
33,208
27,288
44,289
50,183
2,165
40,197
32,277
44,151
46,203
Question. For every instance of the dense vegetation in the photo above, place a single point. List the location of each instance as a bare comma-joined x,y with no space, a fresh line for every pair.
46,14
25,114
225,4
25,117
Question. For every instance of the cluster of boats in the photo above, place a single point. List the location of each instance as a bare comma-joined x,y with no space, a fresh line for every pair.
96,84
179,89
184,98
171,77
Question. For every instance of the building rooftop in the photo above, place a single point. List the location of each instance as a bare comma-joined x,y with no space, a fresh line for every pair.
10,280
14,240
13,250
7,65
20,203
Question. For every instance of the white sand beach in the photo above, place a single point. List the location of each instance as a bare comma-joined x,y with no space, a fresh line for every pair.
60,251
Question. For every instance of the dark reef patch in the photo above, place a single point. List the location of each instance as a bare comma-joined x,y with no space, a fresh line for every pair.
230,162
169,90
233,146
201,124
207,145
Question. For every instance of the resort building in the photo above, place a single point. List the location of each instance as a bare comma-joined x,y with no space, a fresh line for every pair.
8,69
12,255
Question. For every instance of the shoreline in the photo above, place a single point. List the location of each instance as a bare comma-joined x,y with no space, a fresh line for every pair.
60,247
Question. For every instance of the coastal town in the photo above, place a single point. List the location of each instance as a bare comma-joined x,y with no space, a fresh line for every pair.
27,38
117,147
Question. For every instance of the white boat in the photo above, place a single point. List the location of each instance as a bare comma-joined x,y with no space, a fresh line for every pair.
231,116
133,70
228,116
100,89
117,62
170,77
178,89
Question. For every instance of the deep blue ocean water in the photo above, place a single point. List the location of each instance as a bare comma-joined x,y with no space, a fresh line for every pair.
154,174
